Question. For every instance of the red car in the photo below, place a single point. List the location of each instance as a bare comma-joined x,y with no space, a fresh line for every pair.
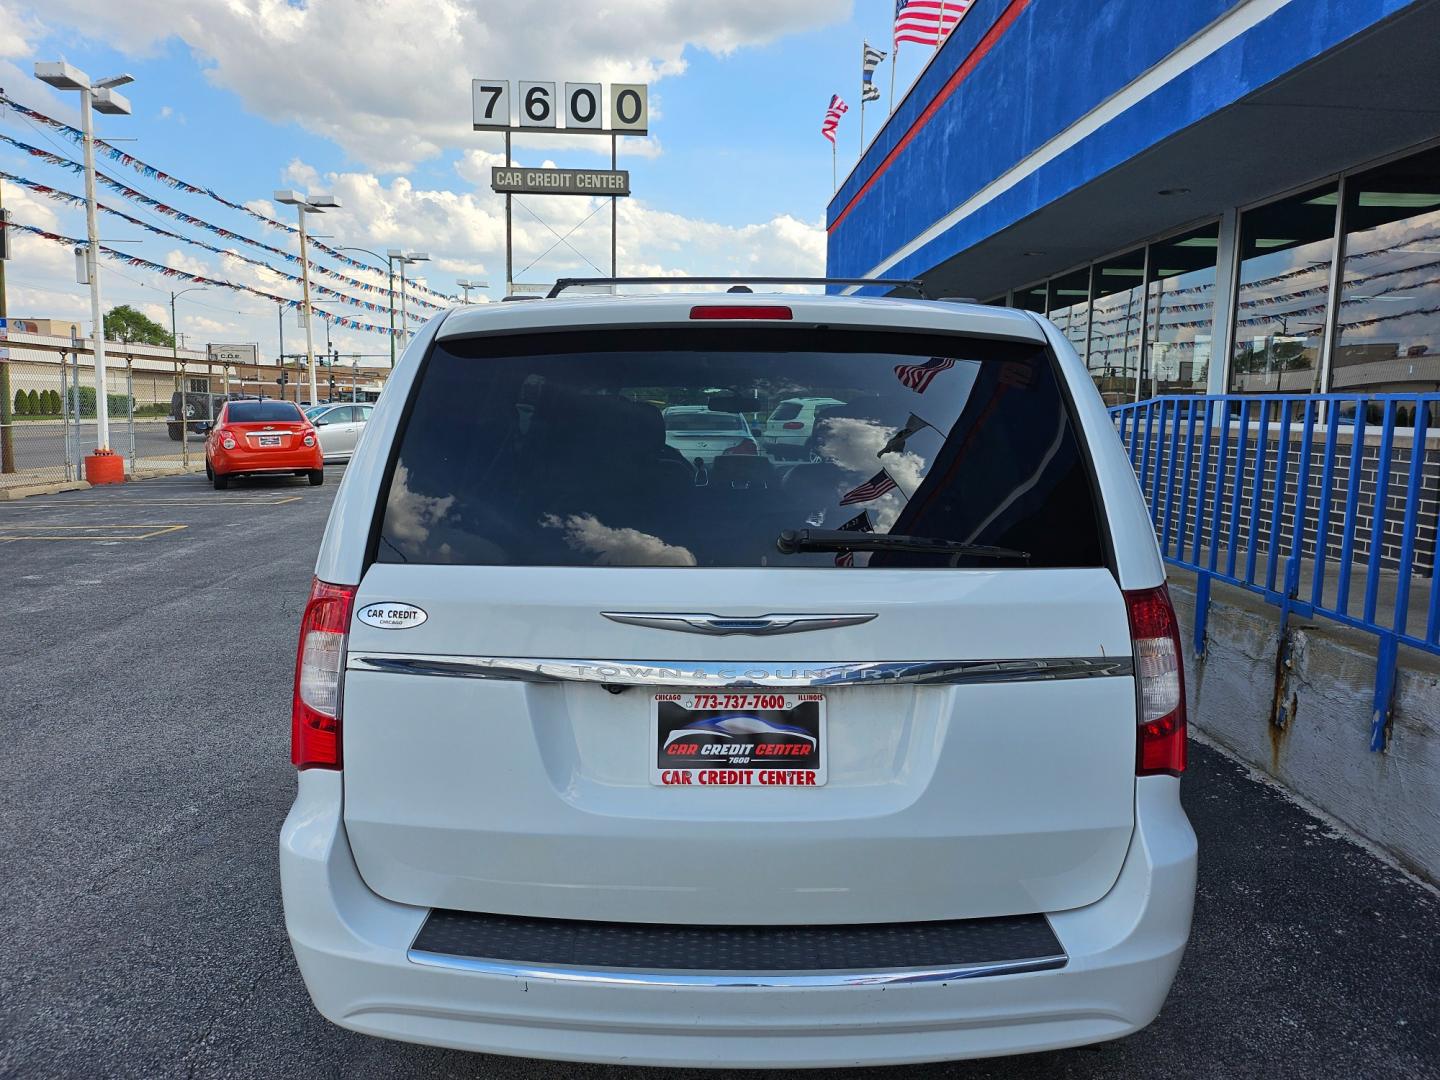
253,438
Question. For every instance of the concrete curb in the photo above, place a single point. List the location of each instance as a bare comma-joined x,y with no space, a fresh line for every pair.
26,490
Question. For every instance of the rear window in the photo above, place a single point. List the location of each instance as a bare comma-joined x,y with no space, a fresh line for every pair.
786,410
254,412
551,450
704,421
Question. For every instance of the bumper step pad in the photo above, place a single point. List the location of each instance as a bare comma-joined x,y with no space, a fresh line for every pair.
957,949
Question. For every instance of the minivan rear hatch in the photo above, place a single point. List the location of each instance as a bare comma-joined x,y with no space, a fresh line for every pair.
888,682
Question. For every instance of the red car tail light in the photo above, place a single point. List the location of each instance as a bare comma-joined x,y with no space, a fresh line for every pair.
793,425
319,664
744,446
309,440
1160,683
736,311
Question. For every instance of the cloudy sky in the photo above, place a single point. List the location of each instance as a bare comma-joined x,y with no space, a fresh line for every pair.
370,101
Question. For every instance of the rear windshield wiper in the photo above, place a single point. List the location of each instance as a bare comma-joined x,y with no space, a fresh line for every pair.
794,541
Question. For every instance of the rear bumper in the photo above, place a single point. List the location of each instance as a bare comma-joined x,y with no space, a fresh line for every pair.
236,462
352,945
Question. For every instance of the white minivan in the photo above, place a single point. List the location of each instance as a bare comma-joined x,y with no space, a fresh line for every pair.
868,758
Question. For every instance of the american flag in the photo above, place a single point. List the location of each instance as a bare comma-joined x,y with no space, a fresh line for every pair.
873,488
918,377
836,110
927,22
859,523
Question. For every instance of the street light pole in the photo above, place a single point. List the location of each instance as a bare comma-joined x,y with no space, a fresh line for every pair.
403,257
313,204
390,267
100,96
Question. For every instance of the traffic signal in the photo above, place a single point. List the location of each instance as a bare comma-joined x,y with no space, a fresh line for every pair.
282,379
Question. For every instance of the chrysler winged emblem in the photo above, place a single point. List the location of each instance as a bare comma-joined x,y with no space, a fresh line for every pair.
731,624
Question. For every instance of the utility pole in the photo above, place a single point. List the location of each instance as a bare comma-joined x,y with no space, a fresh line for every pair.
7,433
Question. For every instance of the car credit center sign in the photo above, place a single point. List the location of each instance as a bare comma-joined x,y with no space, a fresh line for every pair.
559,181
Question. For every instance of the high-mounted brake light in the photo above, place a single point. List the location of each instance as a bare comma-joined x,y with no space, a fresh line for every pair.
319,662
738,311
1160,680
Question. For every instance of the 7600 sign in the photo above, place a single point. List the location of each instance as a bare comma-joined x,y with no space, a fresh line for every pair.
540,107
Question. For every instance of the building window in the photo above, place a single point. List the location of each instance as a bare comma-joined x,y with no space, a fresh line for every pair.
1031,299
1180,291
1117,323
1388,328
1069,303
199,386
1286,250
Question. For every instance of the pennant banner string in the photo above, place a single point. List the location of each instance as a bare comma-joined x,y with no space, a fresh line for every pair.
151,172
199,279
169,211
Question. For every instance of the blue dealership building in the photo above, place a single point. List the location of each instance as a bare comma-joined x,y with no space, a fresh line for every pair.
1223,196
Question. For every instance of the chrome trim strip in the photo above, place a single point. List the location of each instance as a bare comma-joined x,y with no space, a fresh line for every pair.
624,977
741,673
697,623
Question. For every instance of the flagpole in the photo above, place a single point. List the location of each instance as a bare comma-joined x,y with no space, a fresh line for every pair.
894,63
863,47
940,27
834,164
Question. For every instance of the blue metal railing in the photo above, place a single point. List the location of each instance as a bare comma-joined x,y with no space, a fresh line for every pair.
1302,499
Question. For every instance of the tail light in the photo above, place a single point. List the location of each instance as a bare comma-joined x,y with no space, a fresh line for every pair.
227,439
309,440
744,446
1160,682
737,311
793,425
319,663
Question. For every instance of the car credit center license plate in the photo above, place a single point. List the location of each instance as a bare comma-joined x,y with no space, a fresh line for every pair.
738,739
269,440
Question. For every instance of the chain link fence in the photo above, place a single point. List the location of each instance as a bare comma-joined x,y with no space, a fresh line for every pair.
48,421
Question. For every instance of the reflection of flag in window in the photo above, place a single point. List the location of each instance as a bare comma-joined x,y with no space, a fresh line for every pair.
896,442
873,488
919,376
859,523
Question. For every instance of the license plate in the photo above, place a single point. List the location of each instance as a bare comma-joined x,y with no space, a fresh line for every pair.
738,739
269,440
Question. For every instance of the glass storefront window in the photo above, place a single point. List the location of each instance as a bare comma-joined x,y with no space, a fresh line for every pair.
1117,321
1069,302
1388,328
1286,249
1031,299
1180,292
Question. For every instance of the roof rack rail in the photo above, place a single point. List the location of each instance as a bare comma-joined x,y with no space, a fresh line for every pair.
913,284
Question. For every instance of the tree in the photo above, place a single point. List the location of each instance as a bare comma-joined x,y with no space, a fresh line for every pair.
125,324
22,403
32,406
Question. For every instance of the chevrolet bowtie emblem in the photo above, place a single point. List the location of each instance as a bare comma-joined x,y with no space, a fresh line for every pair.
735,624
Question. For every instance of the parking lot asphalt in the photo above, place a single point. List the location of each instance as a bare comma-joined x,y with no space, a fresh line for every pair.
146,653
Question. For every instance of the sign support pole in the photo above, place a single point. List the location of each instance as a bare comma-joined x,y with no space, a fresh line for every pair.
614,211
509,249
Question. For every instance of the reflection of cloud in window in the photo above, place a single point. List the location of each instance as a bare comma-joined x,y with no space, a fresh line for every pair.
617,547
410,517
853,444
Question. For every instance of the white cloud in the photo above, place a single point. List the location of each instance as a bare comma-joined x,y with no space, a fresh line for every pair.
390,82
617,547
